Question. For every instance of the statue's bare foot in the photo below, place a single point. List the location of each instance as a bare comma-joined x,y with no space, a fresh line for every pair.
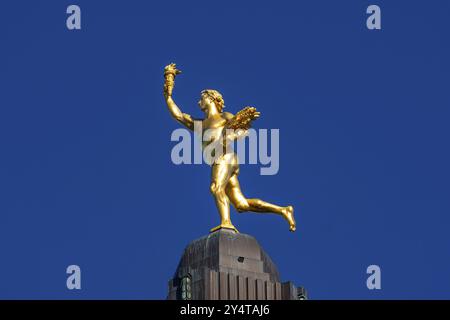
288,214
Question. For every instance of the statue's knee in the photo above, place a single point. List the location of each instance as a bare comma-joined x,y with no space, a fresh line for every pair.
257,202
242,206
215,189
212,188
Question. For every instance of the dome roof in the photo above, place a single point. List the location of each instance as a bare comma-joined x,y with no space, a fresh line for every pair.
227,251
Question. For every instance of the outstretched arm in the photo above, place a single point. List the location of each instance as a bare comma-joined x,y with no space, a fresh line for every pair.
170,71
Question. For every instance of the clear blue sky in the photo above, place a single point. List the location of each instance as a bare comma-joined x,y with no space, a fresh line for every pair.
85,170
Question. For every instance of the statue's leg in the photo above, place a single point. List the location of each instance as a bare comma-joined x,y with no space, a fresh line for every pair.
221,173
242,204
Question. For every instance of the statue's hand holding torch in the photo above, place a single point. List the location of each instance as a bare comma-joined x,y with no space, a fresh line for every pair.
170,72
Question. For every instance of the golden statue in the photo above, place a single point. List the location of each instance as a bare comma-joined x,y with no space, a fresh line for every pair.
224,176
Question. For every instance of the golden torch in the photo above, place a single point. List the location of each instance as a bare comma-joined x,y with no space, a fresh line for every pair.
170,72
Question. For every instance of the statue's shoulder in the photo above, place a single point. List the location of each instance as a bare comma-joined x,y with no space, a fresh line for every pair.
227,115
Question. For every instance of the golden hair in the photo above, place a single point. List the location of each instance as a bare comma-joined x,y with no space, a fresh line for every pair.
216,97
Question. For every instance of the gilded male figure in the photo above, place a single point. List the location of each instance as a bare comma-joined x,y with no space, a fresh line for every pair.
224,186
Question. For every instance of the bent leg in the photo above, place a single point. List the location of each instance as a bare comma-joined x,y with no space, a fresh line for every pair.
234,193
241,203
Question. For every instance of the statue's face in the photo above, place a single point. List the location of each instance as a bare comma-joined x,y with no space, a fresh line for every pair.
205,102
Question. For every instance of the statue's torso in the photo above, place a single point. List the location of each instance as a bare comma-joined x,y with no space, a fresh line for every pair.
212,129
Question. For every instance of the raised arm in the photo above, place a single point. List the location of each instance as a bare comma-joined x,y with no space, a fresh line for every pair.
170,72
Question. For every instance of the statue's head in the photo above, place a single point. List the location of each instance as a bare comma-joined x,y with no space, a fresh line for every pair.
211,99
